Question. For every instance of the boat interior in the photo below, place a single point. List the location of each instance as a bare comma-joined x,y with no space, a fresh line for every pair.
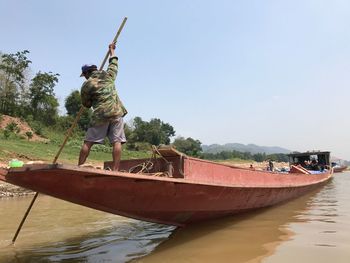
165,161
168,162
309,162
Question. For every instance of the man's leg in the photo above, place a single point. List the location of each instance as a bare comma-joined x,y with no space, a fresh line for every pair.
116,153
84,152
116,136
94,134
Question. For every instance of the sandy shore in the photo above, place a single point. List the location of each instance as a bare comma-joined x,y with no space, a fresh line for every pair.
10,190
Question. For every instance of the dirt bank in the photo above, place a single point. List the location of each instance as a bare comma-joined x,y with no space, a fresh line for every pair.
22,126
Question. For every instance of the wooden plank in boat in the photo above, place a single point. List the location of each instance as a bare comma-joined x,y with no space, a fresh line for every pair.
168,151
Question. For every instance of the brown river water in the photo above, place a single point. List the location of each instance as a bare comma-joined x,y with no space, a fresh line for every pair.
312,229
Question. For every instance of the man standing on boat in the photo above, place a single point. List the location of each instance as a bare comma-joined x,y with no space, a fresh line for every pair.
99,92
271,165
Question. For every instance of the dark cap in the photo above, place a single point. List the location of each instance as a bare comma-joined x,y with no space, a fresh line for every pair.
86,68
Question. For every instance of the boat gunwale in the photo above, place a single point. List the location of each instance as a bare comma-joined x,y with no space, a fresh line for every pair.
142,176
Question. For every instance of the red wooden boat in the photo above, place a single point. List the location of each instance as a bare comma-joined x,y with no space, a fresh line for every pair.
171,189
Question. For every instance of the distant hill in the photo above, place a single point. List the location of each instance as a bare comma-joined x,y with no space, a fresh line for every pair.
252,148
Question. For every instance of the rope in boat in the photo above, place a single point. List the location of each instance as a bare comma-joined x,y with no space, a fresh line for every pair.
148,165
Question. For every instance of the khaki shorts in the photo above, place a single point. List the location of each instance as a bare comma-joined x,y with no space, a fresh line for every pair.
114,130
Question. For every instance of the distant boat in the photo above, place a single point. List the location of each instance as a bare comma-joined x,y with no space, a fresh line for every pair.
339,169
173,188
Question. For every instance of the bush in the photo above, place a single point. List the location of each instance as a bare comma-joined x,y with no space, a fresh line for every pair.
72,143
63,123
29,135
7,134
38,128
101,148
138,146
12,127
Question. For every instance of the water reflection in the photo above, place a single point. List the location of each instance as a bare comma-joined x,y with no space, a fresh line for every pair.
315,228
245,238
325,234
113,245
58,231
323,207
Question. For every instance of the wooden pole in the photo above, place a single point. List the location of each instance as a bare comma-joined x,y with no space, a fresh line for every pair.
114,41
24,218
69,133
67,136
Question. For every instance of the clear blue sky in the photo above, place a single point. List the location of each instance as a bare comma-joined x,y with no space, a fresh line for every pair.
273,73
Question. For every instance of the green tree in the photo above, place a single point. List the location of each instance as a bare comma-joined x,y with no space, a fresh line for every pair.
188,146
44,104
12,80
73,105
259,157
154,132
159,132
279,157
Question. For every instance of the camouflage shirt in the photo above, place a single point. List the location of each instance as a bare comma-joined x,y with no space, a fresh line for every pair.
99,92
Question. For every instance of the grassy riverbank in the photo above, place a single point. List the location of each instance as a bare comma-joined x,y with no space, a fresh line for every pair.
24,150
31,151
46,151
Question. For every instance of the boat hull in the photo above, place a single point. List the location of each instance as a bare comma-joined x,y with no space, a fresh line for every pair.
339,169
174,201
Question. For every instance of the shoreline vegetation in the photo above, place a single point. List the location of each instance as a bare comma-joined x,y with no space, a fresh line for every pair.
20,141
